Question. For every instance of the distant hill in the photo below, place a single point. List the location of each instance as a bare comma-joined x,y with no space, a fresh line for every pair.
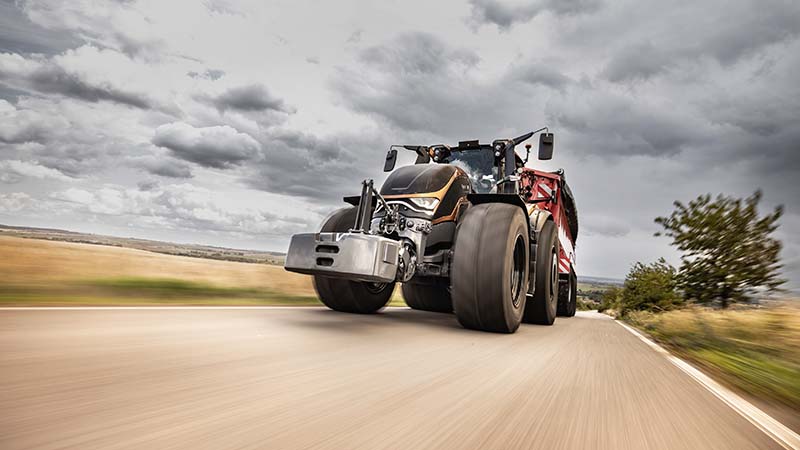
600,280
169,248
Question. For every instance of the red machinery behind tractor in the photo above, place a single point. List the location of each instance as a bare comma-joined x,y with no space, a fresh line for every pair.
467,229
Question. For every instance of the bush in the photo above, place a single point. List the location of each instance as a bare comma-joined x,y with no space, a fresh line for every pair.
610,299
586,304
650,287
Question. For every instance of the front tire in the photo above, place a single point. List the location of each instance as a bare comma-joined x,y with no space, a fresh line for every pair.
489,272
542,308
358,297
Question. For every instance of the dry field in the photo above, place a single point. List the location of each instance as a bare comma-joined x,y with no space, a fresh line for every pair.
34,261
39,271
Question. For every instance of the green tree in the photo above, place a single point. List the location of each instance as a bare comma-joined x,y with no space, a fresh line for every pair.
650,287
728,252
610,299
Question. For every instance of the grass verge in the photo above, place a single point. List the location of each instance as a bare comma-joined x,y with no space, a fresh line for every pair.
133,291
755,350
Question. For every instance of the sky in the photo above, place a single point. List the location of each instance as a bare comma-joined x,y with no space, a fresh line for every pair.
238,123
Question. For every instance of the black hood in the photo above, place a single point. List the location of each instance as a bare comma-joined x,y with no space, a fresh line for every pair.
418,179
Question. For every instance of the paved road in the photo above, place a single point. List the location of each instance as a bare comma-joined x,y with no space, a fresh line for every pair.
315,379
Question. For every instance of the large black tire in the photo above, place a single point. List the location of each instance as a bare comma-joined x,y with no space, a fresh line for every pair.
542,306
568,296
489,274
428,295
345,295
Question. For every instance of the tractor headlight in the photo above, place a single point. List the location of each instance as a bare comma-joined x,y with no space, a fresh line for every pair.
427,203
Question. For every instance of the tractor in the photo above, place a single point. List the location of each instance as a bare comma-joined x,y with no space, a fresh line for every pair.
466,229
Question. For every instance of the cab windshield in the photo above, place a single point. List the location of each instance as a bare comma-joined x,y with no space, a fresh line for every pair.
479,166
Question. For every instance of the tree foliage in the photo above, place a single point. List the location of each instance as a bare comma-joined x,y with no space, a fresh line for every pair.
610,299
728,251
650,287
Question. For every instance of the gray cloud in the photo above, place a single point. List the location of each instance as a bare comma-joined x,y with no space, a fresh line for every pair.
102,27
216,147
542,73
13,171
622,124
320,170
417,53
355,37
741,32
601,225
504,16
19,35
47,133
163,166
209,74
178,206
19,126
417,82
53,79
251,98
639,61
77,158
47,77
642,42
148,185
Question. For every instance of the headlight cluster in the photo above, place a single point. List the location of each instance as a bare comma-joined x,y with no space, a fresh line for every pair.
428,203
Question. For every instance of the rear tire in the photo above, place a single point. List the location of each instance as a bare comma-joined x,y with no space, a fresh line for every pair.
357,297
567,296
489,273
573,300
542,305
430,295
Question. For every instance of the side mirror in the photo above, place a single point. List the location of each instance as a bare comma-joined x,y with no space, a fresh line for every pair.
546,146
391,160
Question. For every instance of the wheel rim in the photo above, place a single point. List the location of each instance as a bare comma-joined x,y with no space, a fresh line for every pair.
518,271
375,288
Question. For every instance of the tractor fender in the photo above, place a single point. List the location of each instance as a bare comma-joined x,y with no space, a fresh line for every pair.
537,219
511,199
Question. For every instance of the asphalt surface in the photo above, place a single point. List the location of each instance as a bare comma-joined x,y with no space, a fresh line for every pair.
316,379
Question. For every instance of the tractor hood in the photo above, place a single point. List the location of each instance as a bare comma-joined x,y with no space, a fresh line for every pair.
425,189
418,179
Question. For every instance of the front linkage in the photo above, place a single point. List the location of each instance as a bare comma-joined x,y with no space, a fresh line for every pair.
380,249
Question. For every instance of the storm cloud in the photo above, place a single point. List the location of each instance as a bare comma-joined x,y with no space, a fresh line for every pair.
217,147
118,116
18,34
254,97
504,15
47,77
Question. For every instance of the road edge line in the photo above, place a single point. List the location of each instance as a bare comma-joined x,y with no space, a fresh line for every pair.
779,432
